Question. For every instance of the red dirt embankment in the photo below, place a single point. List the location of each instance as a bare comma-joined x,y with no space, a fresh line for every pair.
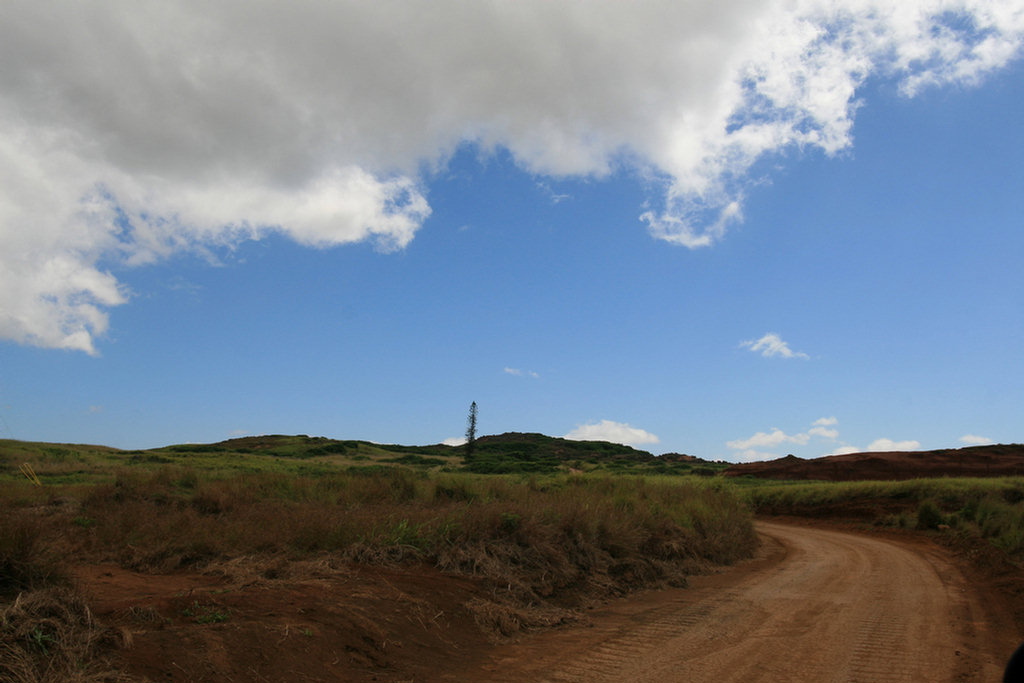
816,604
976,461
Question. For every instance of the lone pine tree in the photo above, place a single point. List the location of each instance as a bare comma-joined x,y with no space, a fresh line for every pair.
471,430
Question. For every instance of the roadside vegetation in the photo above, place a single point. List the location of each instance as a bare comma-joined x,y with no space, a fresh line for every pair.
586,525
987,508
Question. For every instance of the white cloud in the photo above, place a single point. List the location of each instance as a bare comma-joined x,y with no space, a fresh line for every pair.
454,441
889,445
131,131
519,373
771,345
821,428
614,432
845,450
975,440
775,437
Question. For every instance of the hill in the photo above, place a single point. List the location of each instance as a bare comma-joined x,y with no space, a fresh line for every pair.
512,452
974,461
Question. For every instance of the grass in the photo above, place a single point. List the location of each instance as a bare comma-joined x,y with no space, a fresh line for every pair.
547,538
990,508
206,614
543,544
169,517
47,633
69,464
541,541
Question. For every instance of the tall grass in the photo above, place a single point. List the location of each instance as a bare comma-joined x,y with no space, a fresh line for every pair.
992,508
553,533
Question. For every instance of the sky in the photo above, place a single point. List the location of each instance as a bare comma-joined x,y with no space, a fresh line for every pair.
736,230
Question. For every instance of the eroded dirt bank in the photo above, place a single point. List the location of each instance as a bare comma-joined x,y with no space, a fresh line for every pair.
816,605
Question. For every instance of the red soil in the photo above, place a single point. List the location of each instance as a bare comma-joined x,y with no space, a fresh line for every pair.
352,624
414,623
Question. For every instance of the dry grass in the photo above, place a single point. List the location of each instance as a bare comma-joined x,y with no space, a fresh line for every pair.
50,636
47,633
544,545
549,535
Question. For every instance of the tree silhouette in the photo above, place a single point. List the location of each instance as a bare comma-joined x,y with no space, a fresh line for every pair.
471,430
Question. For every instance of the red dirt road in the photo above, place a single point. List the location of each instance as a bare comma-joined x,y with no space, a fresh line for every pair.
817,606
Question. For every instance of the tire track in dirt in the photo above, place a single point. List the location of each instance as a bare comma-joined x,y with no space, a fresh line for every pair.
818,606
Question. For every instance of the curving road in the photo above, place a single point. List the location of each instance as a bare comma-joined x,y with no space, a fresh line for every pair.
817,606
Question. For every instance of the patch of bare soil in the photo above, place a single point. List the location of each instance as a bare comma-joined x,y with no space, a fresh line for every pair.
975,461
815,605
318,624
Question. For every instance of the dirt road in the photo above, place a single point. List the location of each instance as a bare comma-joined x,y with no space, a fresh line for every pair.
817,606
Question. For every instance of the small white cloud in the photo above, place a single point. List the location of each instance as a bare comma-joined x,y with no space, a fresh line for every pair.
826,422
519,373
771,345
824,432
768,439
845,450
879,445
238,432
614,432
975,440
555,197
454,441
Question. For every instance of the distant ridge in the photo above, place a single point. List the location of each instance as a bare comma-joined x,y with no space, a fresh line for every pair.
999,460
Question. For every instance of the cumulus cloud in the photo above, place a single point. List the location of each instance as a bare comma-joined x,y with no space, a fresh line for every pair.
455,441
845,450
824,427
614,432
879,445
130,131
824,432
771,346
776,437
975,440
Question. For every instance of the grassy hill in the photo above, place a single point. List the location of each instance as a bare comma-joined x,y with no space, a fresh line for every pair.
312,455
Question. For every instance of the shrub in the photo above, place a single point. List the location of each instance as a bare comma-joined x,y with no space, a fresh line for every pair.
929,516
26,563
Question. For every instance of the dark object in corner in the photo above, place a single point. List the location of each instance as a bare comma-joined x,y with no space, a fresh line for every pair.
1015,667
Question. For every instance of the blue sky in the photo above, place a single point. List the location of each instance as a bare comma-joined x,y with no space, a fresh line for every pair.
709,251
